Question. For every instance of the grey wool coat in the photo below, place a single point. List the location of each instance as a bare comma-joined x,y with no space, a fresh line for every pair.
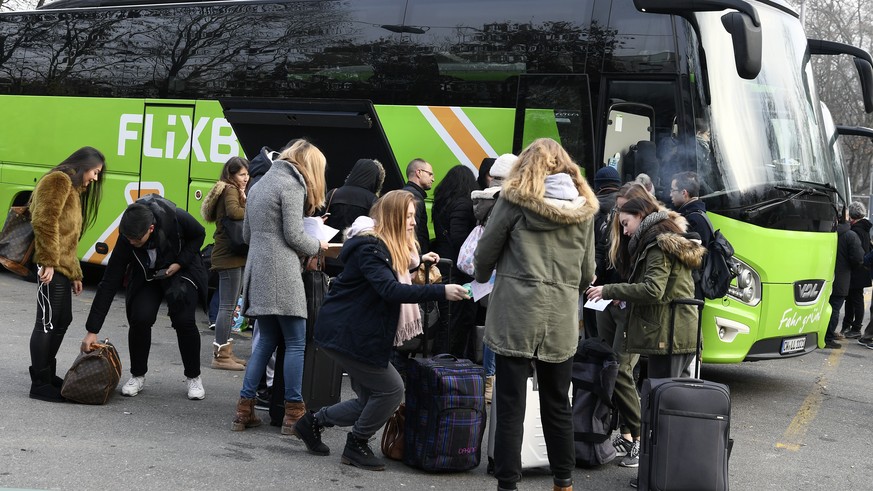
273,227
543,251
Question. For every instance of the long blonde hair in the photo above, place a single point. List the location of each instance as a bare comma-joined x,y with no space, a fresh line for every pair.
311,163
542,158
389,213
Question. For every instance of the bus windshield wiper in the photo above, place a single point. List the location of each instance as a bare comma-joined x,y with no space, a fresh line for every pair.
796,192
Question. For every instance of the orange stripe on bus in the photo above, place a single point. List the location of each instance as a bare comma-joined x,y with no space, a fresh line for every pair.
460,134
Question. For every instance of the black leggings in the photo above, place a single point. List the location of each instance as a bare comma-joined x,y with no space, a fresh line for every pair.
142,311
54,314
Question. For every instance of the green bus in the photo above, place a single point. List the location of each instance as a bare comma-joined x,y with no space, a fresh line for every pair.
169,91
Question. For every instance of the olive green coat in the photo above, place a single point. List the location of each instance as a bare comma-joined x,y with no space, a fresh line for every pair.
543,251
661,273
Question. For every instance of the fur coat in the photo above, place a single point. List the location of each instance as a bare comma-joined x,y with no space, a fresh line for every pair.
56,216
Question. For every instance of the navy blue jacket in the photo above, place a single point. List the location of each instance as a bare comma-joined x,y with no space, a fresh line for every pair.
360,312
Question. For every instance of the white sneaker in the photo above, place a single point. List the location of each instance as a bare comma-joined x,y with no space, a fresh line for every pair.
133,386
195,388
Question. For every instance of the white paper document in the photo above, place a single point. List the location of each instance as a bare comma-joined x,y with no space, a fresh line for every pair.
315,227
481,290
599,305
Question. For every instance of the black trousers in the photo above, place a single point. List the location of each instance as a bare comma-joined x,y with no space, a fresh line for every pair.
510,390
853,316
142,311
54,314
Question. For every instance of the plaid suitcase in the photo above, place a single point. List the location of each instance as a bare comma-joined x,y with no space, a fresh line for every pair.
445,414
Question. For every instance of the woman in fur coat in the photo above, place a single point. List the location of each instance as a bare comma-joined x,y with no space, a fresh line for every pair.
227,199
62,206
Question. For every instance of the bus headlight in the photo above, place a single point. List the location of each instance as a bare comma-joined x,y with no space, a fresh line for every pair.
746,287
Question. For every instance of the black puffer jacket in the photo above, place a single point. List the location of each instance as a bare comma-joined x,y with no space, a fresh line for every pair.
849,255
355,197
451,226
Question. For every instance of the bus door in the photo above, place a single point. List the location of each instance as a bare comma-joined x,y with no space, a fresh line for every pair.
629,126
558,107
168,131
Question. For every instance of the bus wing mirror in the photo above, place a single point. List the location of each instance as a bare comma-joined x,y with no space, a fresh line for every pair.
865,73
746,40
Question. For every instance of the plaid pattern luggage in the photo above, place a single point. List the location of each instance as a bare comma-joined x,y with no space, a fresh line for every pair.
445,414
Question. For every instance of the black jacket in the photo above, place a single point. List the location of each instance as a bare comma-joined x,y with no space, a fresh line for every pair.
259,166
861,273
360,312
849,255
177,238
695,213
602,231
421,232
355,197
451,226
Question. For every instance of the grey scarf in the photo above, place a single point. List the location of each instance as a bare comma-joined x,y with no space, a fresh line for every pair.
637,239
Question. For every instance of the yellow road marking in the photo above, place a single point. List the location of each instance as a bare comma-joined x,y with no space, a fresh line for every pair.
793,437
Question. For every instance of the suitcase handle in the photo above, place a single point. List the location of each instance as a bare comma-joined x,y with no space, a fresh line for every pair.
698,304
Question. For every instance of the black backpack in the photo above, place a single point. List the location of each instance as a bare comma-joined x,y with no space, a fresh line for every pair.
595,368
718,267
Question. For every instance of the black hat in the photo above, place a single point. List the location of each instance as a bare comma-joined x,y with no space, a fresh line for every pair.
605,176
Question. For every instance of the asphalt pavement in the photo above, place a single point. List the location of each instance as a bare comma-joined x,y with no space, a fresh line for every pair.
800,423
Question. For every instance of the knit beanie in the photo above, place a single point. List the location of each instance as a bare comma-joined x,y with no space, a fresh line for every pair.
606,175
502,166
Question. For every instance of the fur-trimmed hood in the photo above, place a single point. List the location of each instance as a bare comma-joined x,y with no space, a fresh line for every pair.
210,203
550,213
687,251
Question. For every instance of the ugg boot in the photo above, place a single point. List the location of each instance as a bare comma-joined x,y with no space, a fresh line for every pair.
359,454
563,484
245,415
41,386
293,412
221,359
56,381
309,431
489,389
233,356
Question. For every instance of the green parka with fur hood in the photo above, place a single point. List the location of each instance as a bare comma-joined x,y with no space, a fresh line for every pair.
543,250
224,200
662,265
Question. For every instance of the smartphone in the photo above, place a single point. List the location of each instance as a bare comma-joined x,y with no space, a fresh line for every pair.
160,274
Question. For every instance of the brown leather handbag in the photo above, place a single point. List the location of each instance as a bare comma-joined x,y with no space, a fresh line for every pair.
392,436
94,375
16,241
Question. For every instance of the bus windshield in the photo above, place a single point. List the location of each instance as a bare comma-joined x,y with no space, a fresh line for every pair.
765,132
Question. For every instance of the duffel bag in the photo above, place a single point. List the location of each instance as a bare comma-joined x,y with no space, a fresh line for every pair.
94,375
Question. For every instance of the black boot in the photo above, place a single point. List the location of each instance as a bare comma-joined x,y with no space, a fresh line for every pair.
308,430
41,386
56,381
359,454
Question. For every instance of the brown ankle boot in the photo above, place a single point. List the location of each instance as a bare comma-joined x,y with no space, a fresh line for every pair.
293,412
221,359
233,356
245,415
489,389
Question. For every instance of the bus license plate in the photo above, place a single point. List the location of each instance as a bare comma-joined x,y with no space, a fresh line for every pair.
792,345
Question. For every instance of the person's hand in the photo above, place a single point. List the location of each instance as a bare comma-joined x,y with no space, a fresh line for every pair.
430,257
324,245
77,287
46,273
173,269
242,194
456,292
90,339
594,293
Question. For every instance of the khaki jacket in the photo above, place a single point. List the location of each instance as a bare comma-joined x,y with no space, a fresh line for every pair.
223,200
543,251
661,273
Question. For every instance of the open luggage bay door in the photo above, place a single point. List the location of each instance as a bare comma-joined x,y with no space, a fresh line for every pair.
344,130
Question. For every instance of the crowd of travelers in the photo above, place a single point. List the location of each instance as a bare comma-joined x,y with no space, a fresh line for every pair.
549,240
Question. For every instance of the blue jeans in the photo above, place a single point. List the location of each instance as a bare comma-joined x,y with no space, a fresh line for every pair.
270,327
488,361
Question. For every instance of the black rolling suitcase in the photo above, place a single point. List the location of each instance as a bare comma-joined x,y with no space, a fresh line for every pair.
322,376
685,441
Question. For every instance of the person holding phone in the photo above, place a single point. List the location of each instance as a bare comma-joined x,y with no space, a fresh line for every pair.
160,245
63,205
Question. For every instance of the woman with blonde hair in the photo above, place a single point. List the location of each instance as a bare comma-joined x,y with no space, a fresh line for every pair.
371,307
227,198
540,240
272,282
